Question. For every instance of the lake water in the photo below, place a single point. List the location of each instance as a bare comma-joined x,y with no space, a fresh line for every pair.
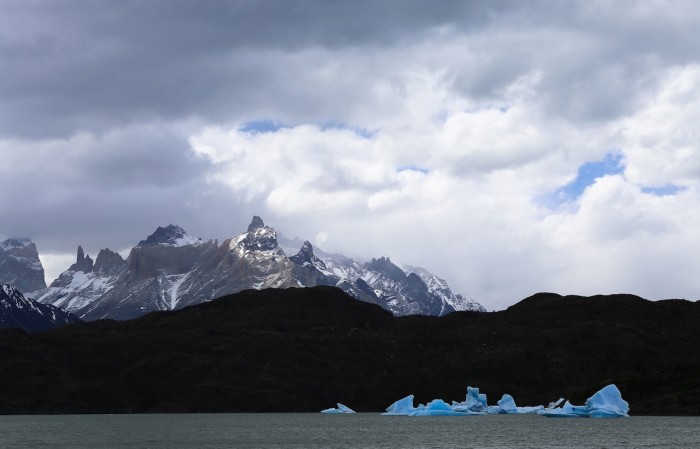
364,430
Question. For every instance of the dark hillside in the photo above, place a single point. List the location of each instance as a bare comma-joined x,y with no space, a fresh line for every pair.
305,349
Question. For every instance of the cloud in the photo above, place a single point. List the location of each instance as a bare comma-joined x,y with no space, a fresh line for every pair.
510,147
661,140
104,190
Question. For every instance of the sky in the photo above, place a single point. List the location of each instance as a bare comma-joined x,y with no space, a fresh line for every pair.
510,147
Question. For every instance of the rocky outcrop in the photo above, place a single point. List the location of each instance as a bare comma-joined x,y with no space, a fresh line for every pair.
20,265
108,263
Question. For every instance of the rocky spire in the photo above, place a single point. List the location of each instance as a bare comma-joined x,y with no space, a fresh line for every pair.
257,223
260,237
82,263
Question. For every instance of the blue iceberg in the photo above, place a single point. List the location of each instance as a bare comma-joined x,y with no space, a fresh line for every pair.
437,407
341,409
506,406
402,407
474,404
606,403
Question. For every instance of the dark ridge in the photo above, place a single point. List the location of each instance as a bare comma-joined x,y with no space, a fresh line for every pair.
302,350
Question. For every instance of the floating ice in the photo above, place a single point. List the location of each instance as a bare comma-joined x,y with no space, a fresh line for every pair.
606,403
507,405
565,411
341,409
402,407
474,404
437,407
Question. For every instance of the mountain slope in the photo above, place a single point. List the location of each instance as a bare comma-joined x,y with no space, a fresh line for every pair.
16,311
298,350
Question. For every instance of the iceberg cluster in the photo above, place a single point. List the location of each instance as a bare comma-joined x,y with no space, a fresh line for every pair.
474,404
606,403
341,409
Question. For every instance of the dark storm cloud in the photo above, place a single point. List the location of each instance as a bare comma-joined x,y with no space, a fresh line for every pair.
87,65
594,61
109,190
75,65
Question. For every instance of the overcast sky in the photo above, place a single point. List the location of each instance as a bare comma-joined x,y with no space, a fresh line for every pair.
509,147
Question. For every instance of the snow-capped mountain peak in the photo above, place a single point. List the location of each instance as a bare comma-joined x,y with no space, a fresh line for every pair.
259,237
306,257
14,244
170,235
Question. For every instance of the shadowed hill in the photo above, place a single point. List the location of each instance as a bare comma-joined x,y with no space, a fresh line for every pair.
305,349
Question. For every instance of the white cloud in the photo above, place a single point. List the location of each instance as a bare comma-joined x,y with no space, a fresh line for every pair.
458,194
662,139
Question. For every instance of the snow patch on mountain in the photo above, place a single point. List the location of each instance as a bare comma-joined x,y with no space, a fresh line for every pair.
17,311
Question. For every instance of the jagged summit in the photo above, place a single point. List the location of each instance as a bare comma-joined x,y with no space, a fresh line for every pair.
306,257
256,223
305,254
14,243
384,265
108,262
171,235
82,263
259,237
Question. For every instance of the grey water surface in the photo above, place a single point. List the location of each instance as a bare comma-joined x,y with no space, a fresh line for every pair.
364,430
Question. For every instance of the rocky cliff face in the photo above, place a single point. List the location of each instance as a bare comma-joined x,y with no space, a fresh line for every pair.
20,265
171,270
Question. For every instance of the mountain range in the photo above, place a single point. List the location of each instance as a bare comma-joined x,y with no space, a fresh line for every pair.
171,269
